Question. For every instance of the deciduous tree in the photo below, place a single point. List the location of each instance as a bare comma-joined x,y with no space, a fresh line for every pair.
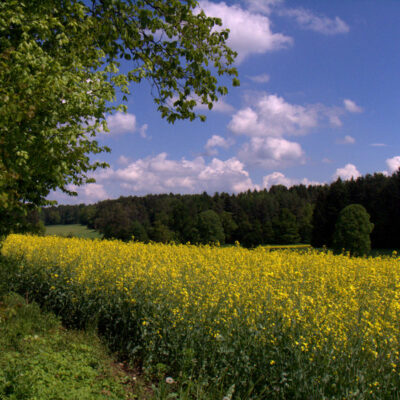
352,230
210,227
59,75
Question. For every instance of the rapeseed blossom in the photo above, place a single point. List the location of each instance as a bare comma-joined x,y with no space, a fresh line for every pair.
256,310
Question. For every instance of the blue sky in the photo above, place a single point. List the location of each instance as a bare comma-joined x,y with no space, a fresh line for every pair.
319,98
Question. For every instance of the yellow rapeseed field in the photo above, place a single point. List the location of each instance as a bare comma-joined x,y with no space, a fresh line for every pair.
265,320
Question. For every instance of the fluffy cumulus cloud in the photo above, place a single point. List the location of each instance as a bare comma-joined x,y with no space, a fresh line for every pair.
348,172
217,141
268,116
318,23
393,164
121,123
268,119
277,178
271,152
271,115
159,174
250,31
351,106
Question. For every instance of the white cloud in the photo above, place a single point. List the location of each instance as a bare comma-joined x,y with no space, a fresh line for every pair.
322,24
263,78
121,123
347,140
159,174
347,172
271,152
271,115
277,178
393,164
268,117
217,141
250,32
351,106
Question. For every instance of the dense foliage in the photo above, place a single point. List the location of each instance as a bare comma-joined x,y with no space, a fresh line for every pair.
352,230
59,76
264,324
278,215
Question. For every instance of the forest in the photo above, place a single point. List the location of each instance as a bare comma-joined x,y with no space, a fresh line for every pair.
280,215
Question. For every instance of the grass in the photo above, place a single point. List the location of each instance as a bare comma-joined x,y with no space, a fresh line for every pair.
41,360
73,230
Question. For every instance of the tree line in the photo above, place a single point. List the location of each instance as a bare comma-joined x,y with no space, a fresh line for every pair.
280,215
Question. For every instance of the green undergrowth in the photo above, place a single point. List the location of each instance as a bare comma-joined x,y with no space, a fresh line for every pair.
40,360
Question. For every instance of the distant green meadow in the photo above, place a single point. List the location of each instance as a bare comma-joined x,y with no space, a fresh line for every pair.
73,230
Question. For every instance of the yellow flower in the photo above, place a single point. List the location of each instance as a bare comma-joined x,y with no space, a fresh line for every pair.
322,303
